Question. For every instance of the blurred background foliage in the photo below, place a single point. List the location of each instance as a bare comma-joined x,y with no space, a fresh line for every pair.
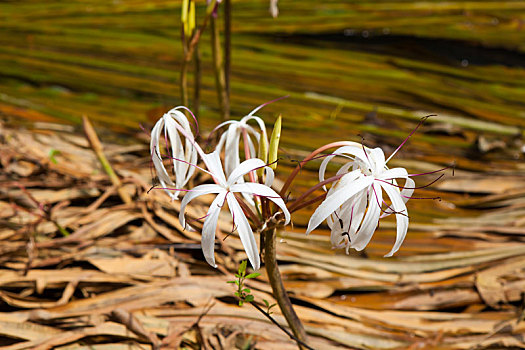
118,62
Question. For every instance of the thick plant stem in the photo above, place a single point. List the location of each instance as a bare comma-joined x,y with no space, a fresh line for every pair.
279,293
220,80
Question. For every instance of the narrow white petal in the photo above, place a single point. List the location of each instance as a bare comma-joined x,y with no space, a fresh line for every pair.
336,199
228,122
214,165
231,148
259,121
243,169
155,135
345,168
253,153
269,176
330,221
402,219
408,189
371,220
180,118
394,173
156,158
336,231
346,180
177,151
191,154
353,151
245,231
359,210
221,142
209,228
263,191
352,212
194,193
322,169
377,156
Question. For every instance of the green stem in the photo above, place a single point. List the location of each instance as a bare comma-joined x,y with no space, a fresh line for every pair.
184,82
189,48
227,43
279,293
220,81
197,82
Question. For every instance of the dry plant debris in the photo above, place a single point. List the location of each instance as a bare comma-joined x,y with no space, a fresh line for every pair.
127,276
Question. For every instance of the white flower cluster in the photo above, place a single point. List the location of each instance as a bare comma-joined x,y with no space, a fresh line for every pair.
353,205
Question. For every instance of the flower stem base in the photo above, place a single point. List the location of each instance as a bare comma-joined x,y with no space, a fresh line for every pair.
279,293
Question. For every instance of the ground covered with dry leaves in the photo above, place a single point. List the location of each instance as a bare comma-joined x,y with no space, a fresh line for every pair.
81,270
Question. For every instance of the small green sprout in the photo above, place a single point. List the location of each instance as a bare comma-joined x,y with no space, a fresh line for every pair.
52,153
268,306
242,292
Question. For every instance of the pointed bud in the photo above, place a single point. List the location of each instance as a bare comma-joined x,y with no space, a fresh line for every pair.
274,143
191,19
184,16
263,151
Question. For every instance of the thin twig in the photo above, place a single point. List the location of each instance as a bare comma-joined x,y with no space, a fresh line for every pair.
281,327
94,141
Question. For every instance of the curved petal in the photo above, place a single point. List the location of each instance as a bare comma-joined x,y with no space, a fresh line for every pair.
191,155
245,231
352,212
177,151
394,173
345,181
344,151
322,168
377,156
259,121
221,142
180,118
354,151
408,189
194,193
156,158
268,181
244,168
345,168
402,219
231,148
251,147
214,165
209,228
371,220
263,191
336,199
336,230
400,173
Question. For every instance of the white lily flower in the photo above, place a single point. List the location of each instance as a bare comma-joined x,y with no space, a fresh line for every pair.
353,205
230,139
175,124
225,190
